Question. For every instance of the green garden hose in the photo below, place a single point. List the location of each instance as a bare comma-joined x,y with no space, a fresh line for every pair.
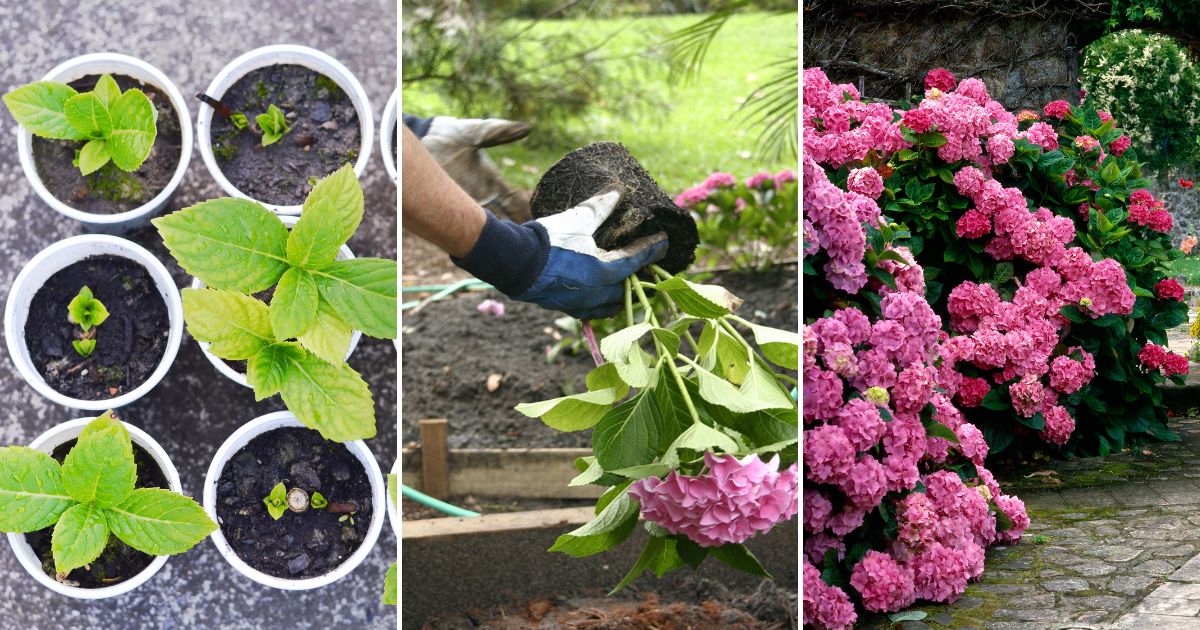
430,502
442,291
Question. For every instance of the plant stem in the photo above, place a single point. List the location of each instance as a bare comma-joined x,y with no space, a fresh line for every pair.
629,301
645,302
590,336
660,272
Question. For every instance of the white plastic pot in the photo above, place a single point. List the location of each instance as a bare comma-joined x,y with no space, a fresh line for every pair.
388,135
393,510
46,443
52,260
112,63
284,54
239,440
343,254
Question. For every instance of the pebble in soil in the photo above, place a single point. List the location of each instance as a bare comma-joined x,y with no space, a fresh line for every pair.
298,545
129,344
111,190
644,208
324,133
118,562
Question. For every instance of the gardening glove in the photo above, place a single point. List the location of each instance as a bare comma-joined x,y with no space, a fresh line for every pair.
554,261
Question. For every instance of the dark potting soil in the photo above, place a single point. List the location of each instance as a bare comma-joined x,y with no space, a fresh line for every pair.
129,344
644,208
697,603
450,350
118,562
110,190
324,133
298,545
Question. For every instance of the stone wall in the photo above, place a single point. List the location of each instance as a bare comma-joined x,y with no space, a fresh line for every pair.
1024,51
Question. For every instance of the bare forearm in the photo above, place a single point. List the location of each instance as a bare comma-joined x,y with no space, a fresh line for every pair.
434,207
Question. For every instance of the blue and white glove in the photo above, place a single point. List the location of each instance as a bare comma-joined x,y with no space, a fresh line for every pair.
554,261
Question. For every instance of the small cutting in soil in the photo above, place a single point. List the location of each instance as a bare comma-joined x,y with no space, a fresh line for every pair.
324,133
118,562
111,190
129,344
298,545
644,209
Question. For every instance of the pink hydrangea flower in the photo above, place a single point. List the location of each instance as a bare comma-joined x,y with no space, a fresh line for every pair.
783,177
883,584
1027,396
940,573
1119,146
1169,289
941,79
1153,356
720,180
1059,425
732,502
1043,135
1175,364
972,391
826,606
1086,143
491,307
1057,109
866,182
919,120
1068,375
1014,508
758,179
691,196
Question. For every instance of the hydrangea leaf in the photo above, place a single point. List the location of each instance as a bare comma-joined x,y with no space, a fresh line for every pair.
93,156
390,582
341,193
629,360
159,522
362,292
606,530
314,240
700,300
576,412
31,491
628,435
781,347
237,326
38,108
329,336
760,384
294,305
107,90
266,370
133,130
333,400
231,244
740,558
79,537
655,547
87,113
719,391
100,467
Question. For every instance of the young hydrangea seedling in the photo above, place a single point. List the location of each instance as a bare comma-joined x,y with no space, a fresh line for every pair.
89,313
296,346
318,501
115,125
689,411
276,502
273,125
91,495
239,120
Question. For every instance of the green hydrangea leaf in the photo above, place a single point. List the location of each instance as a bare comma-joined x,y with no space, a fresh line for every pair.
342,193
333,400
133,130
38,107
329,336
629,434
606,530
719,391
232,244
294,305
390,586
31,491
781,347
237,326
79,537
107,90
159,522
100,467
313,241
266,370
92,156
700,300
363,293
87,113
740,558
576,412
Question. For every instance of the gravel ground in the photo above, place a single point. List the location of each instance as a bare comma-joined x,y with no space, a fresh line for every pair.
194,408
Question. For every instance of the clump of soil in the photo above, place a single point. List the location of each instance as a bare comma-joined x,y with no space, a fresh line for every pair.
298,545
450,350
707,605
129,344
324,134
644,209
118,562
110,190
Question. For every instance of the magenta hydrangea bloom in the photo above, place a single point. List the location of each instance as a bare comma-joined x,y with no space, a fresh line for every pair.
884,584
732,502
866,182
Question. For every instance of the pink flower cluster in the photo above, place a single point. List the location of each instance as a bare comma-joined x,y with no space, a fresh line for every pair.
833,221
838,129
1147,211
825,606
692,197
968,118
732,502
1155,357
1169,289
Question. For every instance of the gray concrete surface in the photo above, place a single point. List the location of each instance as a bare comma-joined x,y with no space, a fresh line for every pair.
194,409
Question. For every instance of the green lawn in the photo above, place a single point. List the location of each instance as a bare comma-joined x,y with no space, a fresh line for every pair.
1188,267
696,134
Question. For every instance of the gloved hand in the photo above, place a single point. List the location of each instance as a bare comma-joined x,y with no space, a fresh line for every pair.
554,261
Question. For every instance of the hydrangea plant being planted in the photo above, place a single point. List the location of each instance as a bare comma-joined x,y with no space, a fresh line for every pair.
693,426
282,302
96,509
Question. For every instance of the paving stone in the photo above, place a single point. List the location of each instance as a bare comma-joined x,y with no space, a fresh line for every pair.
1176,590
1093,569
1015,625
1049,573
1153,567
1129,584
1169,606
1107,602
1177,551
1118,553
1028,614
1189,572
1065,585
1091,616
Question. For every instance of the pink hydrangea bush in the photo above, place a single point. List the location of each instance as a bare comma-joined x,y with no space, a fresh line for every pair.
749,223
899,505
